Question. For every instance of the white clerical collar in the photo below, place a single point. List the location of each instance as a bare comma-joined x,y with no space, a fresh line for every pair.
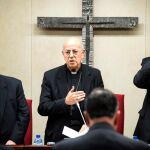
72,72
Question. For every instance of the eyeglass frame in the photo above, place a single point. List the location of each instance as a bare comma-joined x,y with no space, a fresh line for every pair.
75,52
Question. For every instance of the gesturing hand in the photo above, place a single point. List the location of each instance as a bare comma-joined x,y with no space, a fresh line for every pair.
10,142
73,97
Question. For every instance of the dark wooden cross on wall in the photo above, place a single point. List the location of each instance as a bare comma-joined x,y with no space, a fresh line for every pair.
87,23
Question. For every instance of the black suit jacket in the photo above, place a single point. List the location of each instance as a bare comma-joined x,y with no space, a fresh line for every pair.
52,99
101,136
142,80
14,111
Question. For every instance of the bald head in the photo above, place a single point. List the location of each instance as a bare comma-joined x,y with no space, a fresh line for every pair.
74,42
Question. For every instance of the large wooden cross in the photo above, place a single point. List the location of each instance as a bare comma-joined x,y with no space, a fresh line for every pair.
87,23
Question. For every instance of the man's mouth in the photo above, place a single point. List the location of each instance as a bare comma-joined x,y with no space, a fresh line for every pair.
71,61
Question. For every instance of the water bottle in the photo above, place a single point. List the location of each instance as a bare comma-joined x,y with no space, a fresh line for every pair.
135,138
38,140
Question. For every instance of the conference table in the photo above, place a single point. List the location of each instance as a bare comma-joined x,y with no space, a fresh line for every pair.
31,147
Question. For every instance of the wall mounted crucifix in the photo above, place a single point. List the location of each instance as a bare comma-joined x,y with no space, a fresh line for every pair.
87,23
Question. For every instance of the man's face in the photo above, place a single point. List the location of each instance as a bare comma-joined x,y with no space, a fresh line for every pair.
73,55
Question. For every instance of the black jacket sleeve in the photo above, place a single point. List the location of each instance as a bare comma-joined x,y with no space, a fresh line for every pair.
142,78
49,105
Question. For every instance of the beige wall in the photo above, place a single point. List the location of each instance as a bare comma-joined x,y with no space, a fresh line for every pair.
26,51
15,40
147,28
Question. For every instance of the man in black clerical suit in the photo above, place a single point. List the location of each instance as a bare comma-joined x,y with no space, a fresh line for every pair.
63,87
14,111
101,112
142,80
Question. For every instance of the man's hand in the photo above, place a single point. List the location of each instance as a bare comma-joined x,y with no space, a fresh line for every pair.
84,129
10,142
74,97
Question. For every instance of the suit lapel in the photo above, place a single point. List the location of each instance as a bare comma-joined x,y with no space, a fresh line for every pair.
86,79
62,82
3,96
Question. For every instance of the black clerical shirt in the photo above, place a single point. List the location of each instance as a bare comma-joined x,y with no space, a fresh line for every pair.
74,79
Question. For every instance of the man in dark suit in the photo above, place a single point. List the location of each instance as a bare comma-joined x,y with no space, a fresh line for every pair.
142,80
101,112
63,87
14,111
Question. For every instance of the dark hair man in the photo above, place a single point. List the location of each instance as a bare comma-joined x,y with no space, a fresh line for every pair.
101,112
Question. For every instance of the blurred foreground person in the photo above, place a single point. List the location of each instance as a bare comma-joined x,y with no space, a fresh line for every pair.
101,112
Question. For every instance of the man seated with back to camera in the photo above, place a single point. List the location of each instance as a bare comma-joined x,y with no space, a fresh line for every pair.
101,115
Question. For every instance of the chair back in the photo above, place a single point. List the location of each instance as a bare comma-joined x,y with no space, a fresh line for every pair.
28,135
120,117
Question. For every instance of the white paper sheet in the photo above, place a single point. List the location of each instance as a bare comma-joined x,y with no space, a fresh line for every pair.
72,133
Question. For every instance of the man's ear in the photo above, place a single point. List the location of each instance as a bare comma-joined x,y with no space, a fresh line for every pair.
83,54
86,116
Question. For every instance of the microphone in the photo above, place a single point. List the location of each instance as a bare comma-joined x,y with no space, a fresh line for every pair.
80,112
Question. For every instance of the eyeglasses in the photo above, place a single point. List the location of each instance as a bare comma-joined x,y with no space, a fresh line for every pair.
74,52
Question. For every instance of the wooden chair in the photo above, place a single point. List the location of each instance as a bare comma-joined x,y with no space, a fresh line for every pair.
28,135
120,117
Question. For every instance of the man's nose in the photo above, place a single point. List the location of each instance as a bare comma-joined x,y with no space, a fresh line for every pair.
71,54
